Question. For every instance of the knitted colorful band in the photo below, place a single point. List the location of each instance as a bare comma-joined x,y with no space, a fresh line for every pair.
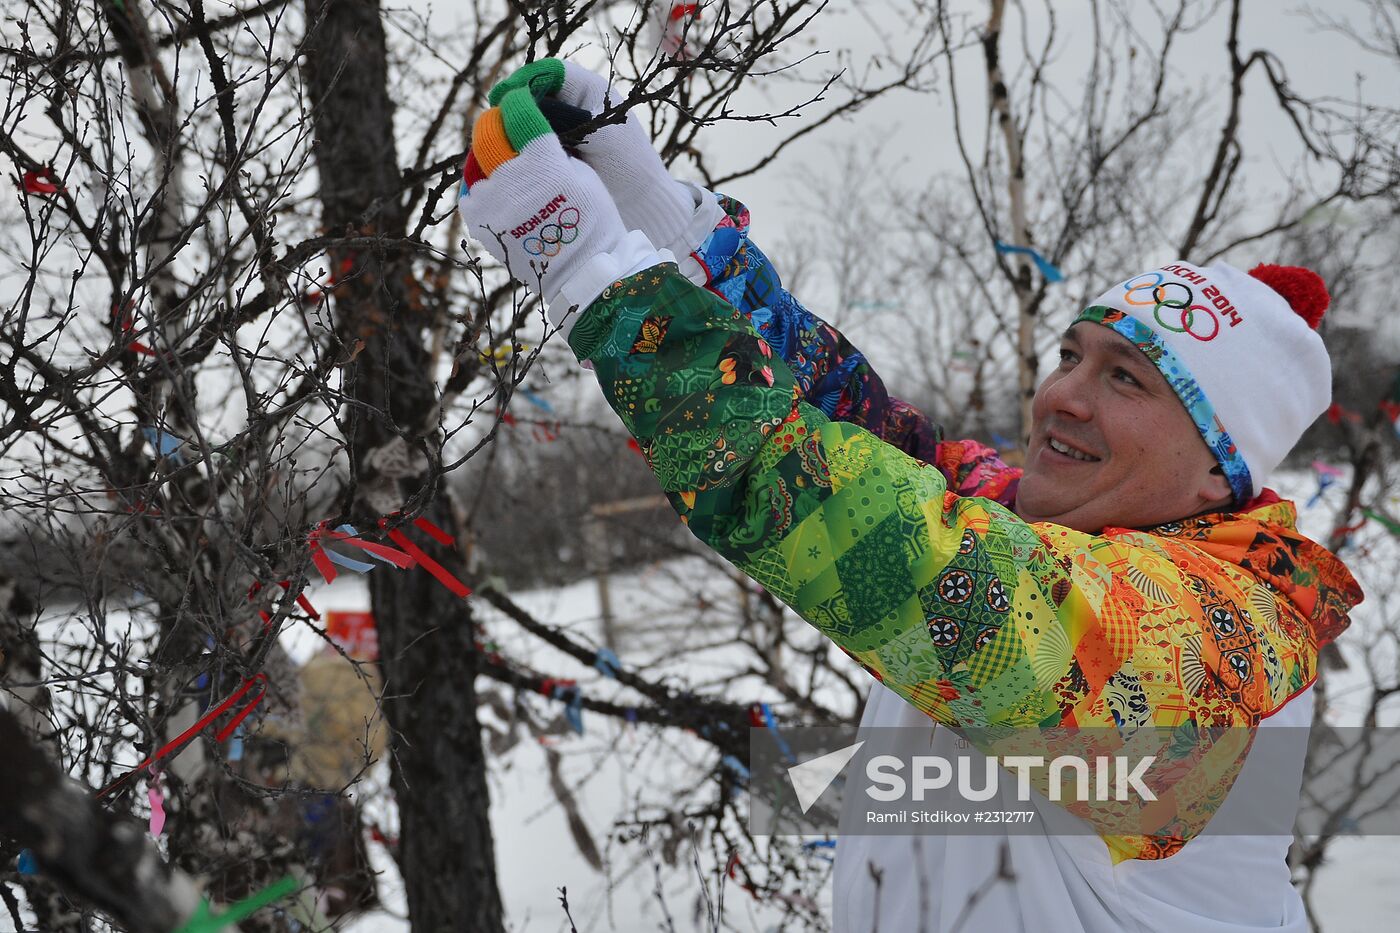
471,171
1250,344
1186,388
501,132
542,77
560,117
522,118
489,142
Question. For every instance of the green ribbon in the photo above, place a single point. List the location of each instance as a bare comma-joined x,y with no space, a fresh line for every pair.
204,920
1389,525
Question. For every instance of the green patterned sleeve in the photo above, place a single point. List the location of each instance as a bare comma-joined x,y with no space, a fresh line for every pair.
856,536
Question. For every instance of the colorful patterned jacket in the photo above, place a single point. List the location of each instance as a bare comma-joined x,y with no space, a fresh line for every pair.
831,373
924,576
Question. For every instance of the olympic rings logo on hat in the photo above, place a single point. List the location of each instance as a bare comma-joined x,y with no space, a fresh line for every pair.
555,236
1173,296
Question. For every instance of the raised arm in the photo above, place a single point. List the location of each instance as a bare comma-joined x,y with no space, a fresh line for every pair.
831,374
980,620
709,236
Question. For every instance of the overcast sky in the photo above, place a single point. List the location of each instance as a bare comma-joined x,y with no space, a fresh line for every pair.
910,130
907,135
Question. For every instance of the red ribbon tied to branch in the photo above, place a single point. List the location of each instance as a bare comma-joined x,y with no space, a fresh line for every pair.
455,586
325,560
542,431
674,28
302,601
126,323
405,556
41,181
179,741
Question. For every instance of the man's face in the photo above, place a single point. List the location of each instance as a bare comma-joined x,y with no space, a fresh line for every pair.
1111,444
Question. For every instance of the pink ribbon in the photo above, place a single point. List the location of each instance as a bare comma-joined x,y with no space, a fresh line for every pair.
157,800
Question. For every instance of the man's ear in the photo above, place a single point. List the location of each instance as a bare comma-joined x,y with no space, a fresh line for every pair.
1215,487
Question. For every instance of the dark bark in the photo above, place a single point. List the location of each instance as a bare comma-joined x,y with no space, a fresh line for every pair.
90,853
21,662
446,851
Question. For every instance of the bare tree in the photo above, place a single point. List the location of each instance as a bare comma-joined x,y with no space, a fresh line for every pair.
1097,184
238,320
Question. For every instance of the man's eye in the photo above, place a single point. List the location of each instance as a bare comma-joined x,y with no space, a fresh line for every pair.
1124,376
1068,356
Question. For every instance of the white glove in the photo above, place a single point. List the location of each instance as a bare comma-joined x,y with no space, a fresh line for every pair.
674,215
545,215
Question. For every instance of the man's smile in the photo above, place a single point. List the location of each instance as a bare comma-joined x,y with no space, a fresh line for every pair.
1070,451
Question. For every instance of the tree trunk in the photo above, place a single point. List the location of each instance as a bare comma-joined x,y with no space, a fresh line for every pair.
446,851
1027,360
84,849
22,663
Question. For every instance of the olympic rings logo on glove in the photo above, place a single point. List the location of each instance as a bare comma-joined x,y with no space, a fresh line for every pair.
553,237
1174,297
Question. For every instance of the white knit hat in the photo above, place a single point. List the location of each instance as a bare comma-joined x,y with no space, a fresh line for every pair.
1244,359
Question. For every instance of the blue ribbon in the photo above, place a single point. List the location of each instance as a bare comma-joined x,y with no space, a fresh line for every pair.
573,705
235,745
167,445
201,683
735,765
1323,481
573,711
1046,267
535,400
348,563
772,725
316,809
607,663
26,865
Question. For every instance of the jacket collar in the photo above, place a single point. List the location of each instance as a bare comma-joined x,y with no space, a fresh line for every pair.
1262,539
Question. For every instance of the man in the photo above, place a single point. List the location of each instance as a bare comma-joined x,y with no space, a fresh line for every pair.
1138,574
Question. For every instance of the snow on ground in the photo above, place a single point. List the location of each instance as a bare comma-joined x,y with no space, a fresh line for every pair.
1358,890
611,768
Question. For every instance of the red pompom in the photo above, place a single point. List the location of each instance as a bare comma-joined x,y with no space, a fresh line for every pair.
1303,289
471,171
